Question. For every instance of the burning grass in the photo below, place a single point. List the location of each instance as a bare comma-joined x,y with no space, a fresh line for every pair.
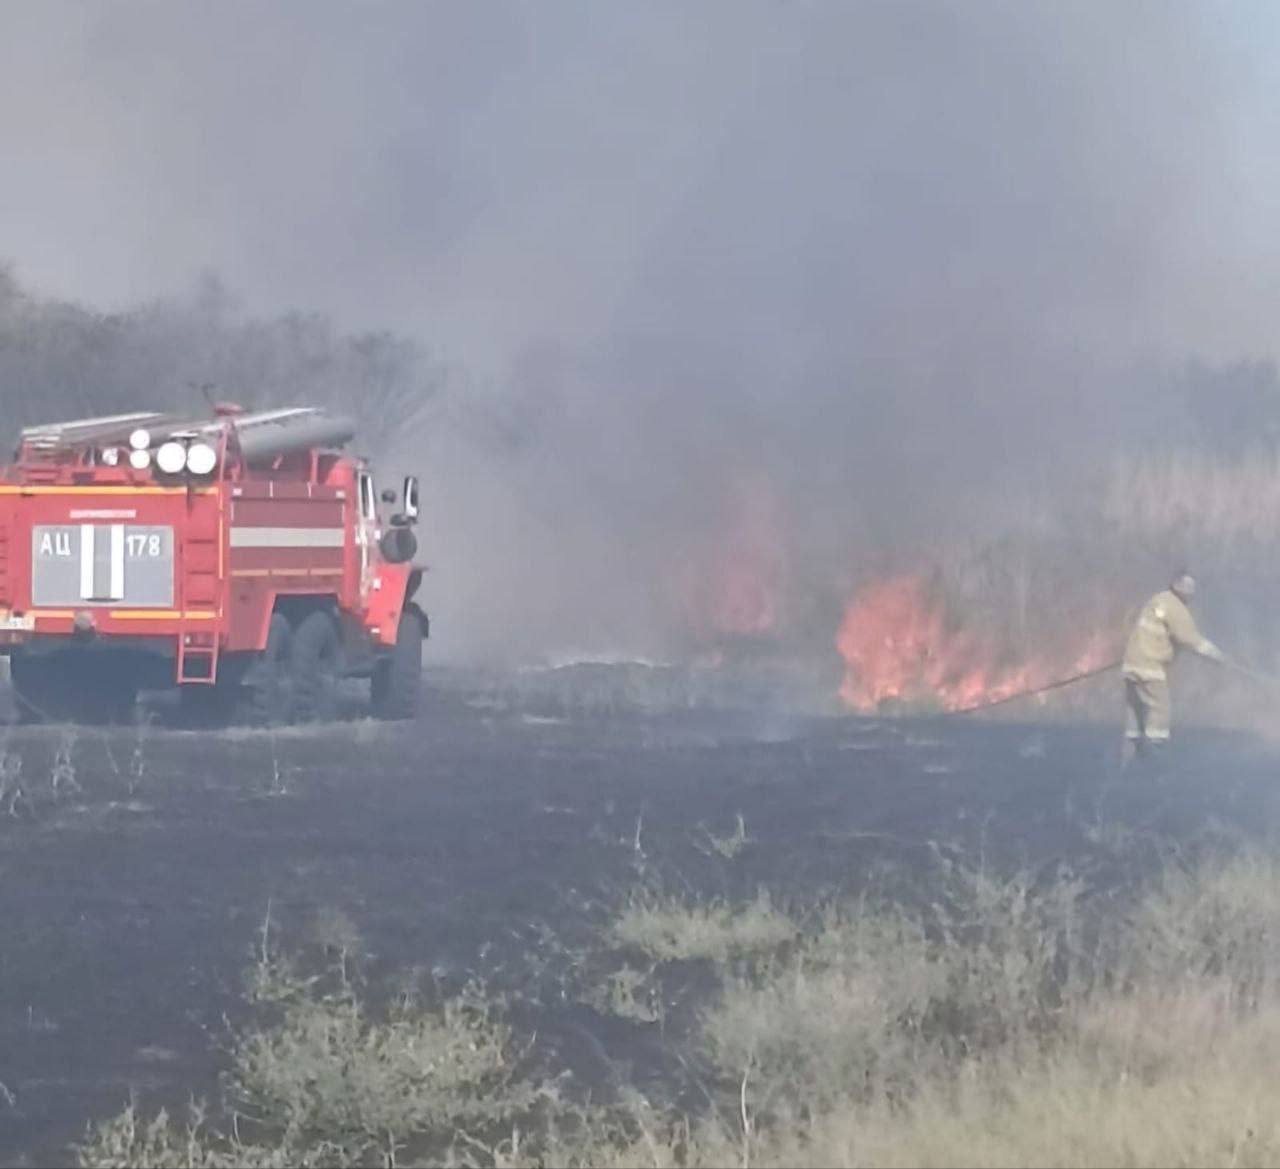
1042,589
903,646
1009,1021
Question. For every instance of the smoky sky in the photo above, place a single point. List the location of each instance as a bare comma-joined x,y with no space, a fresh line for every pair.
865,260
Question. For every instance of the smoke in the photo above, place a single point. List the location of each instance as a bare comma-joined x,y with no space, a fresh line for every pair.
787,285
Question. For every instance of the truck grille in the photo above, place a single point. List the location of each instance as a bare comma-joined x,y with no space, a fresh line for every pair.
102,564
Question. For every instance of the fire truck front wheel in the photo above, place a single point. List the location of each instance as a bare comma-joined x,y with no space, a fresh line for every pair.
397,678
317,663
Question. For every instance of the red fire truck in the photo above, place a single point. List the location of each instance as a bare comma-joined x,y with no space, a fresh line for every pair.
245,559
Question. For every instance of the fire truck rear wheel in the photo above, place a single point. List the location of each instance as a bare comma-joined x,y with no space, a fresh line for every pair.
316,663
266,690
397,678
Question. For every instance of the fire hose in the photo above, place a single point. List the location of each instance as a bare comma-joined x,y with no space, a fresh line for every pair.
1097,671
1247,672
1254,675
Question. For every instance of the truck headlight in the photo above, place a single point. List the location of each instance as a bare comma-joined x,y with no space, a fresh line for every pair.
111,456
201,458
171,458
140,439
139,460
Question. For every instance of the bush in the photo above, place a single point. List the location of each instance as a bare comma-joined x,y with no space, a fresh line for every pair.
670,930
839,1019
1216,922
999,1025
320,1081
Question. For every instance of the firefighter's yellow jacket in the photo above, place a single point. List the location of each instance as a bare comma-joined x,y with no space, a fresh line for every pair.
1164,627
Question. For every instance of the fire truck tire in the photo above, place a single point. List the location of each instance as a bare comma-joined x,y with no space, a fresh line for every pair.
397,678
316,663
266,690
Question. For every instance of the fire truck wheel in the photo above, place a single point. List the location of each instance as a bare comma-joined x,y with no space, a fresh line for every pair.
397,678
266,691
316,660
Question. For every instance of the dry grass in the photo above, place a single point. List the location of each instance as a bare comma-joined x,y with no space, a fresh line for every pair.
840,1018
1207,1100
670,930
322,1080
1195,494
1204,925
1000,1025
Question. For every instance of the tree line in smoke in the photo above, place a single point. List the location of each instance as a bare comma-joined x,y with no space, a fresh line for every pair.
60,360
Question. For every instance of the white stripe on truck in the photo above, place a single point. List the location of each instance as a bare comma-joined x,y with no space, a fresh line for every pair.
86,561
287,537
117,562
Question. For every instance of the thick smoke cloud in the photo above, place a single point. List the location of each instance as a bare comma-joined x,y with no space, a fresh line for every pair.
774,285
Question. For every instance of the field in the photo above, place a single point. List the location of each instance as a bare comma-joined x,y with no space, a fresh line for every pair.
605,872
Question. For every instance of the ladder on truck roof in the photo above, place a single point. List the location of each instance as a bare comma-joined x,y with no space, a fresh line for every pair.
260,436
55,436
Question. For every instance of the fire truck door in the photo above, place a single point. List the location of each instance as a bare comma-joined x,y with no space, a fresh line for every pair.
367,533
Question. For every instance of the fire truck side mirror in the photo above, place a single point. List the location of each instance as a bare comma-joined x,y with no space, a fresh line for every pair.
411,498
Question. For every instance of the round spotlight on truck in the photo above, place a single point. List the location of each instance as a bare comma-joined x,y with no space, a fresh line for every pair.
139,460
171,458
201,458
111,456
140,439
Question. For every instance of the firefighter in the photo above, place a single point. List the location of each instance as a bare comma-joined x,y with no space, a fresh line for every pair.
1164,627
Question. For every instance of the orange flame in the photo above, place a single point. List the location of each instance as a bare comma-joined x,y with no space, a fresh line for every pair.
735,588
897,644
743,598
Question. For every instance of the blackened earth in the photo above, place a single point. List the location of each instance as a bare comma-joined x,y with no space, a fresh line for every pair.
493,838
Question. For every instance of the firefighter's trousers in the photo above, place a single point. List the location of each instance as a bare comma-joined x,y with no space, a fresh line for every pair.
1147,709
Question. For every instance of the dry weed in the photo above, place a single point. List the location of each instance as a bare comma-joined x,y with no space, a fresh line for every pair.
670,930
991,1028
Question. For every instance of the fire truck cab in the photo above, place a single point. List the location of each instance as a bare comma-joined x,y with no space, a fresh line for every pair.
245,559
